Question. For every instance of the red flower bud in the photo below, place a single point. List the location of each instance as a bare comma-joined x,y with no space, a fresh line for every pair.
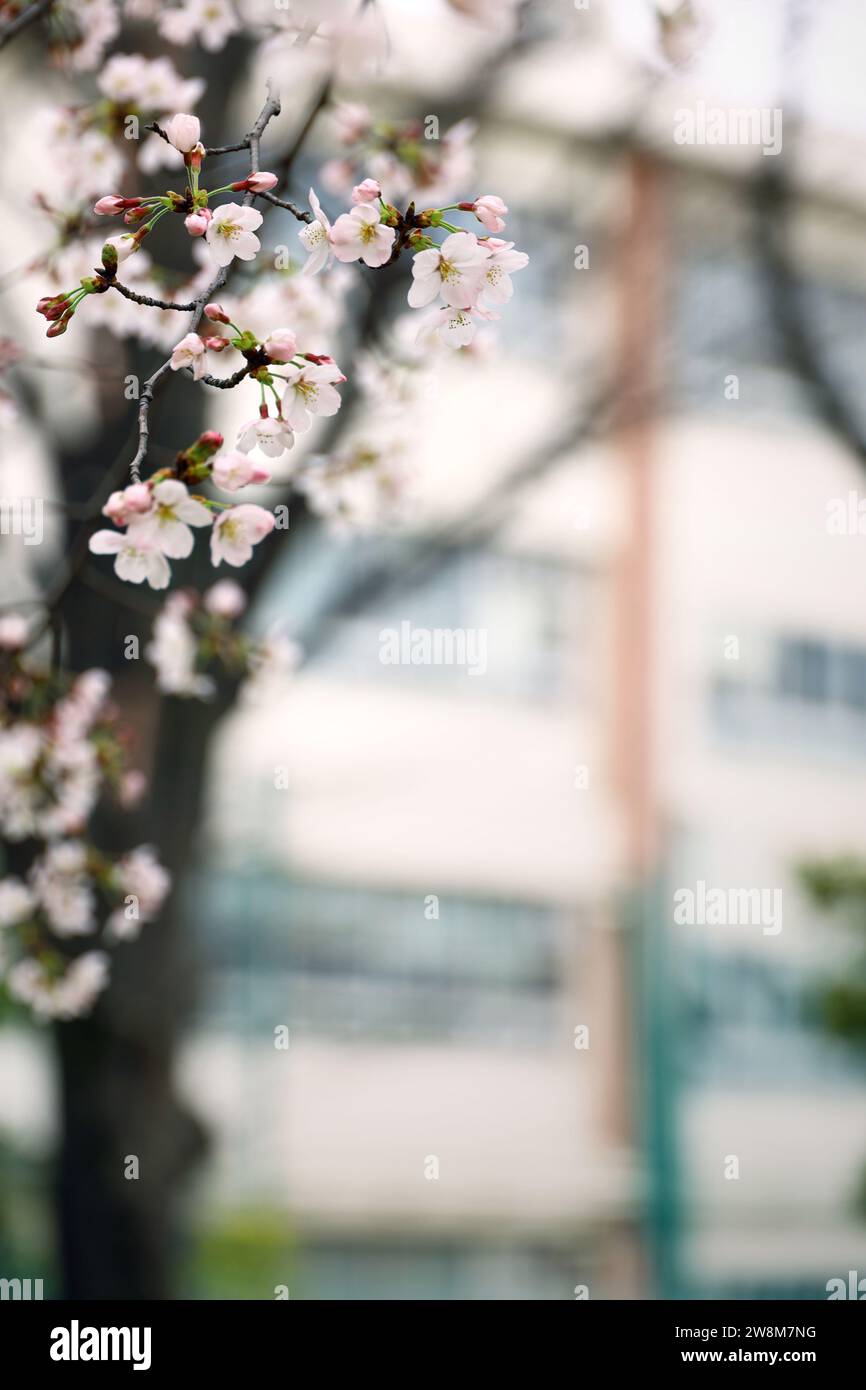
216,313
56,329
53,306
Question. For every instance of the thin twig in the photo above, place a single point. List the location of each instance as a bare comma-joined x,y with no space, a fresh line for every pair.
223,149
302,216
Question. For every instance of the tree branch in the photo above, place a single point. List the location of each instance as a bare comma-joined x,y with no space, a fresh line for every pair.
24,20
150,303
302,216
225,383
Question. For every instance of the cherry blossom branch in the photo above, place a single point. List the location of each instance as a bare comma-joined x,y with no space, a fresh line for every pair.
252,142
24,20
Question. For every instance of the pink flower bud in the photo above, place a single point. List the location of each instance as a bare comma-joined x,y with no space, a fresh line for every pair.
490,212
133,500
225,599
196,223
366,192
216,313
110,205
216,344
138,497
14,629
260,473
184,132
257,183
133,785
115,508
281,345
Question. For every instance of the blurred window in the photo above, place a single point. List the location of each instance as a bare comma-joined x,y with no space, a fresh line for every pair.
809,691
742,1018
803,669
526,607
348,962
459,1271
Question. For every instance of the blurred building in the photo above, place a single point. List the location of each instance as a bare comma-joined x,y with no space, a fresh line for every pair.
511,1072
674,696
440,1125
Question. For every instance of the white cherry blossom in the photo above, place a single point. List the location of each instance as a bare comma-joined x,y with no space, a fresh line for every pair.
502,262
167,524
360,235
316,239
66,996
231,232
310,391
273,437
16,902
190,352
136,557
454,270
237,530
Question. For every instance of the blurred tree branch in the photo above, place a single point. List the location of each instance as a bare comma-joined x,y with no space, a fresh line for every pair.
23,20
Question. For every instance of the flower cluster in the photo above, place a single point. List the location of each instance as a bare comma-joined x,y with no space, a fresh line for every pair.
363,485
194,639
155,520
209,22
56,749
83,29
303,385
79,142
399,156
471,275
69,889
60,746
228,230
